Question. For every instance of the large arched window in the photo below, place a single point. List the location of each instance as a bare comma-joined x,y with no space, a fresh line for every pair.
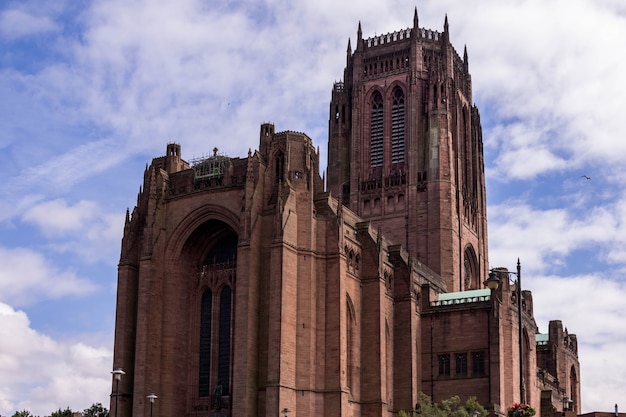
376,131
397,127
223,328
216,307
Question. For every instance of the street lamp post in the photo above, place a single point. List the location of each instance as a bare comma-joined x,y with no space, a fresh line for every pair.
117,374
151,397
492,283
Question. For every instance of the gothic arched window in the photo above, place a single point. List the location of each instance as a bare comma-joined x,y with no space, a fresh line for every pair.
280,166
216,313
470,270
397,127
376,131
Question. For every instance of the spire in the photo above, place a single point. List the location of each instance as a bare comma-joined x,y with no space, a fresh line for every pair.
349,48
465,55
415,20
446,34
359,38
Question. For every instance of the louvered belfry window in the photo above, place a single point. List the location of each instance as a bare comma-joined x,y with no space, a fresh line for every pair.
376,140
397,127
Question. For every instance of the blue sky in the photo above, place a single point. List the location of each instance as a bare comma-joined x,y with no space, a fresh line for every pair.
90,91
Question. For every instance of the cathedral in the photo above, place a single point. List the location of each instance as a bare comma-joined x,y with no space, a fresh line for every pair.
253,286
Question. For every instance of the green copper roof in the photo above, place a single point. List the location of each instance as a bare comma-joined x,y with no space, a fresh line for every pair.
542,338
461,297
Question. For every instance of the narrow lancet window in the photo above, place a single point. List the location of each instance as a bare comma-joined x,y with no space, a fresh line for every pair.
224,342
205,345
376,140
397,127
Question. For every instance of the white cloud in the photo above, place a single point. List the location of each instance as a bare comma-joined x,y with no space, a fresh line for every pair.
16,23
27,277
590,306
56,217
47,374
82,229
544,237
550,67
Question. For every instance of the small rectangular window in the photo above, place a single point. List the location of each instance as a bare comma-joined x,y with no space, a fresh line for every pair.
460,361
444,364
478,363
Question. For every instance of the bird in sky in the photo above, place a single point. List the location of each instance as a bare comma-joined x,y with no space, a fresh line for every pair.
586,177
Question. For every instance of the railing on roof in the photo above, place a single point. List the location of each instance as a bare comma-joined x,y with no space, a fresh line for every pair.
210,167
473,298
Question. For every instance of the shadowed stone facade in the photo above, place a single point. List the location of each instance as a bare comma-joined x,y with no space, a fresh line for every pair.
250,278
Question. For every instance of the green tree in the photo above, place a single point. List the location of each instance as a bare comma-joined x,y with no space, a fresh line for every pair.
451,407
23,413
62,413
96,410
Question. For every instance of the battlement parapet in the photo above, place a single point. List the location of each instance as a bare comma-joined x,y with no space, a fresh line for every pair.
388,38
400,35
429,34
290,132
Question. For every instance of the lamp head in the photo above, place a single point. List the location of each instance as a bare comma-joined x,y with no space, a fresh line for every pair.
493,281
152,397
117,373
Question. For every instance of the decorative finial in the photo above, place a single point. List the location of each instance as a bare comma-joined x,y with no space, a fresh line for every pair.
415,20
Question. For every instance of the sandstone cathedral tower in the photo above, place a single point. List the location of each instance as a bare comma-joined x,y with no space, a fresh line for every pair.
405,149
246,286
